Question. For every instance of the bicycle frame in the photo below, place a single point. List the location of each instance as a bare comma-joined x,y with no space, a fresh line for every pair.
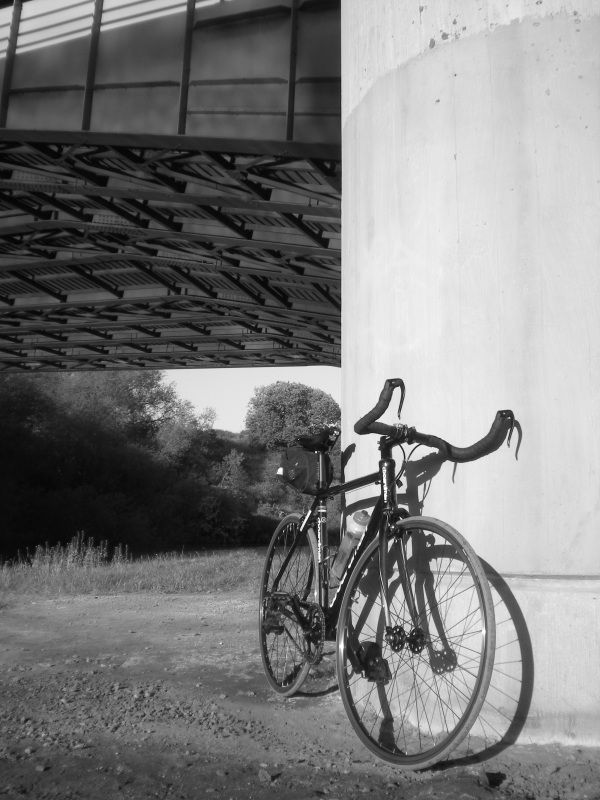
383,514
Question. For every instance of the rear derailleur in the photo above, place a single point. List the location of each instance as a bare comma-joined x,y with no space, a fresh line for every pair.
308,616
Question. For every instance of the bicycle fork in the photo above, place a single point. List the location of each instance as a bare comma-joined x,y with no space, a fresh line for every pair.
419,595
387,469
395,635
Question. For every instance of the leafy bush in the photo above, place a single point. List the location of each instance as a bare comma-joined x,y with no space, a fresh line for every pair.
121,457
280,412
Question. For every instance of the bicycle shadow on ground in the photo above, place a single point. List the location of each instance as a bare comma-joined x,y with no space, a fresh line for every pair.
508,699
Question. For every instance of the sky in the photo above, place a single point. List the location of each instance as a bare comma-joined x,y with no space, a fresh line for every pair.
228,391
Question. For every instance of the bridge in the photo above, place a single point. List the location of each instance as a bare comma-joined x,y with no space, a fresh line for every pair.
170,184
171,196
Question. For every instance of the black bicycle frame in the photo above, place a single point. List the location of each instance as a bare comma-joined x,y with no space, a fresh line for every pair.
382,515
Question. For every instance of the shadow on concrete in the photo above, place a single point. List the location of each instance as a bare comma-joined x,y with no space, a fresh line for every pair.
508,699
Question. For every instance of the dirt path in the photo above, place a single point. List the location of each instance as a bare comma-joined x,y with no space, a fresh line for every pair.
147,696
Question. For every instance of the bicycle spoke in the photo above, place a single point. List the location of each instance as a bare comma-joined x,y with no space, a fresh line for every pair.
288,578
437,681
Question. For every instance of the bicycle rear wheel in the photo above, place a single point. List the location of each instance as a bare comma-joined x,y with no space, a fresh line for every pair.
413,694
288,593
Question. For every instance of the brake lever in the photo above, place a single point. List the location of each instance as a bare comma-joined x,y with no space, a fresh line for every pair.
400,383
515,425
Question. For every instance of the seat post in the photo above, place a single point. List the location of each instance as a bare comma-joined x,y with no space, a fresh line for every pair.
322,480
323,533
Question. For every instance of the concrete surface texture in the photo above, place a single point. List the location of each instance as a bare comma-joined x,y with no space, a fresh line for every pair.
471,257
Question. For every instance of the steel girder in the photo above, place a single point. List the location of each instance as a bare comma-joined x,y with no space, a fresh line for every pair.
122,251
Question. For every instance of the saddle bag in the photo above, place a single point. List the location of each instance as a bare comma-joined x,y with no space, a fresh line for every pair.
300,468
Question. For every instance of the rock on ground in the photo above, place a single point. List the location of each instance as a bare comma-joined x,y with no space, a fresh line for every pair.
148,696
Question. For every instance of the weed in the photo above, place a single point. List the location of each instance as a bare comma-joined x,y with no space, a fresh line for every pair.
84,567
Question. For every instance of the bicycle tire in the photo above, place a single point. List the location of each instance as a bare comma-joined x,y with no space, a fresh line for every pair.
283,645
415,714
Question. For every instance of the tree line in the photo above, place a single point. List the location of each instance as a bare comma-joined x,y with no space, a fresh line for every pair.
120,457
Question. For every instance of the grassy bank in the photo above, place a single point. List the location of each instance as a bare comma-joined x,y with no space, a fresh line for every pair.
82,567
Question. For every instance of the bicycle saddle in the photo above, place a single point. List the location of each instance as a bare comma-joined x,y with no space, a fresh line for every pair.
315,442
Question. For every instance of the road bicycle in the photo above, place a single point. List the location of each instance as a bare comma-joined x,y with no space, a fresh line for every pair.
412,614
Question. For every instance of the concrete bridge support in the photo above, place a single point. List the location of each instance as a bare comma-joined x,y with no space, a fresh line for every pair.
471,255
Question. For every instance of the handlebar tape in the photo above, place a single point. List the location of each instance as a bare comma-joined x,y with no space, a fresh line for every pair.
368,423
503,422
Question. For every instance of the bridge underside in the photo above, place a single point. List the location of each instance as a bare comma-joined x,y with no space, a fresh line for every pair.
169,185
127,251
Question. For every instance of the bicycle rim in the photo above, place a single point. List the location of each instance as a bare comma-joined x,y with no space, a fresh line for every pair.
415,712
291,570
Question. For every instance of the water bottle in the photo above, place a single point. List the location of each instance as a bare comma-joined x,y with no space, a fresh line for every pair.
355,527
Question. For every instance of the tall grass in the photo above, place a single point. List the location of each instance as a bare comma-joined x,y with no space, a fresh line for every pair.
84,567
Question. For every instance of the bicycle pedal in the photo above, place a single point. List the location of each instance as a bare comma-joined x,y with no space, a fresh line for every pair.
443,661
375,667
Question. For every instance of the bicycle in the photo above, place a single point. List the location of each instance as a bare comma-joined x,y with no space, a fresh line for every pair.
412,616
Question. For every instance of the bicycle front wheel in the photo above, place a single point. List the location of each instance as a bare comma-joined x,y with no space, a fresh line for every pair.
413,690
288,596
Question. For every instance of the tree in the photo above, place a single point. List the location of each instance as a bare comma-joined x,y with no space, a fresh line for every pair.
116,455
234,475
137,403
280,412
179,438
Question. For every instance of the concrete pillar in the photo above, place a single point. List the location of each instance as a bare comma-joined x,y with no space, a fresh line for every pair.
471,268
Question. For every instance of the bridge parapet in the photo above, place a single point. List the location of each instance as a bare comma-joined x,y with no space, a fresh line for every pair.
251,69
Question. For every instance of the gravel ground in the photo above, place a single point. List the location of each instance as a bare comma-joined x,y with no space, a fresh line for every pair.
148,696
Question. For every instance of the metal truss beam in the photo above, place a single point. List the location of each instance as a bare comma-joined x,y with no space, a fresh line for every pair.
153,251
